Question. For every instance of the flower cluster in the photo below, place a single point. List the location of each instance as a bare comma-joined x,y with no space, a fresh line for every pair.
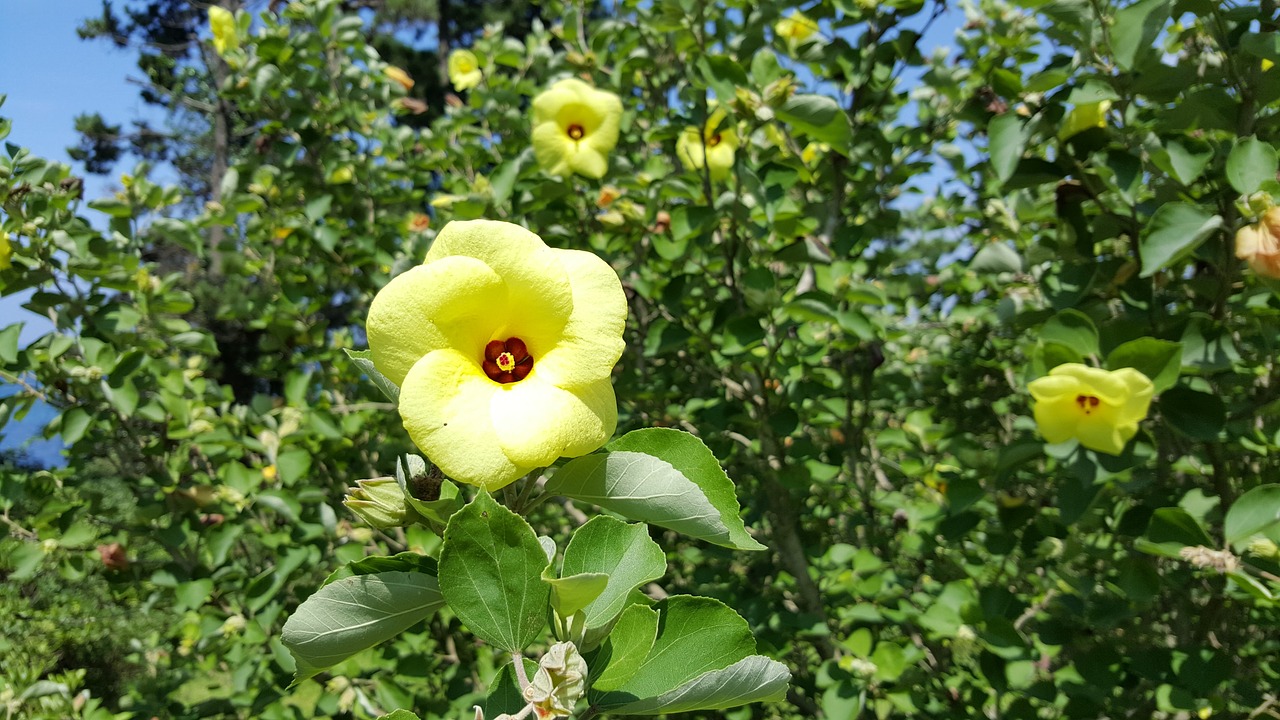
503,350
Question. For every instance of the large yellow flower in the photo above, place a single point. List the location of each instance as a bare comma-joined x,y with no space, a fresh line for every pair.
1100,408
574,128
502,348
714,147
222,23
464,70
1259,244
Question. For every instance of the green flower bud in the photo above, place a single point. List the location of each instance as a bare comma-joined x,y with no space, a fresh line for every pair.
380,502
1264,548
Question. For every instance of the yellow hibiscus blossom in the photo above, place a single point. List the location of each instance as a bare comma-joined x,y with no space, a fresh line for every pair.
1100,408
503,350
574,128
1259,244
713,147
398,75
464,70
795,28
222,23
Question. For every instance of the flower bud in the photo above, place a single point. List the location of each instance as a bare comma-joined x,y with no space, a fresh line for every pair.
1264,548
379,502
560,681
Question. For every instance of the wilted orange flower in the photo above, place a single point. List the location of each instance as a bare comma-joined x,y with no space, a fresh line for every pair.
1259,244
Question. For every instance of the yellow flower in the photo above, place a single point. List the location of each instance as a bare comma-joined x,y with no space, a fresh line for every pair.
419,222
796,28
1259,244
1084,117
6,251
464,70
399,76
502,348
1267,64
269,473
1100,408
222,22
714,147
574,128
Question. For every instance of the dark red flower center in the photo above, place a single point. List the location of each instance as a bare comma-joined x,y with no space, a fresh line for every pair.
507,361
1087,403
576,131
714,140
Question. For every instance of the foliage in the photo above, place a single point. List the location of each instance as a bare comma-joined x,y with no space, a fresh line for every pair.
848,319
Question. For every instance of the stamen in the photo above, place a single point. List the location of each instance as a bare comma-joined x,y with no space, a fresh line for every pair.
576,131
507,361
714,140
1087,403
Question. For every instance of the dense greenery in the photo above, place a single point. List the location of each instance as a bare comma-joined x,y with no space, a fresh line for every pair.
849,318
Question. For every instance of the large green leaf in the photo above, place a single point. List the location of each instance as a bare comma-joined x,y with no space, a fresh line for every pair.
751,679
1251,163
819,117
696,635
628,646
1135,30
1073,329
491,574
1159,360
1006,140
1170,530
664,477
356,613
623,552
1175,231
1256,512
1198,415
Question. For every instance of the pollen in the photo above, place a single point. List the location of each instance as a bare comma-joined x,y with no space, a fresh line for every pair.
576,131
1087,403
507,361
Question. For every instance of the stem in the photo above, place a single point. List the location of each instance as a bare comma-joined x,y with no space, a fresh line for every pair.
521,675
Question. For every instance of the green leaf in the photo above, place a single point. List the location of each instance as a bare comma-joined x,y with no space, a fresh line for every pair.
1251,163
723,74
1170,530
401,562
1256,512
661,476
624,553
1073,329
1251,585
819,117
996,257
696,635
1198,415
1188,158
364,360
750,680
1136,28
1006,141
1174,231
625,651
1159,360
491,574
9,343
74,424
356,613
399,715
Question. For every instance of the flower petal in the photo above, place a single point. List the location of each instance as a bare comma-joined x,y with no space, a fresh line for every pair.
537,423
1101,383
1140,390
1057,419
445,404
588,162
1053,387
447,303
552,147
539,295
1101,432
591,341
